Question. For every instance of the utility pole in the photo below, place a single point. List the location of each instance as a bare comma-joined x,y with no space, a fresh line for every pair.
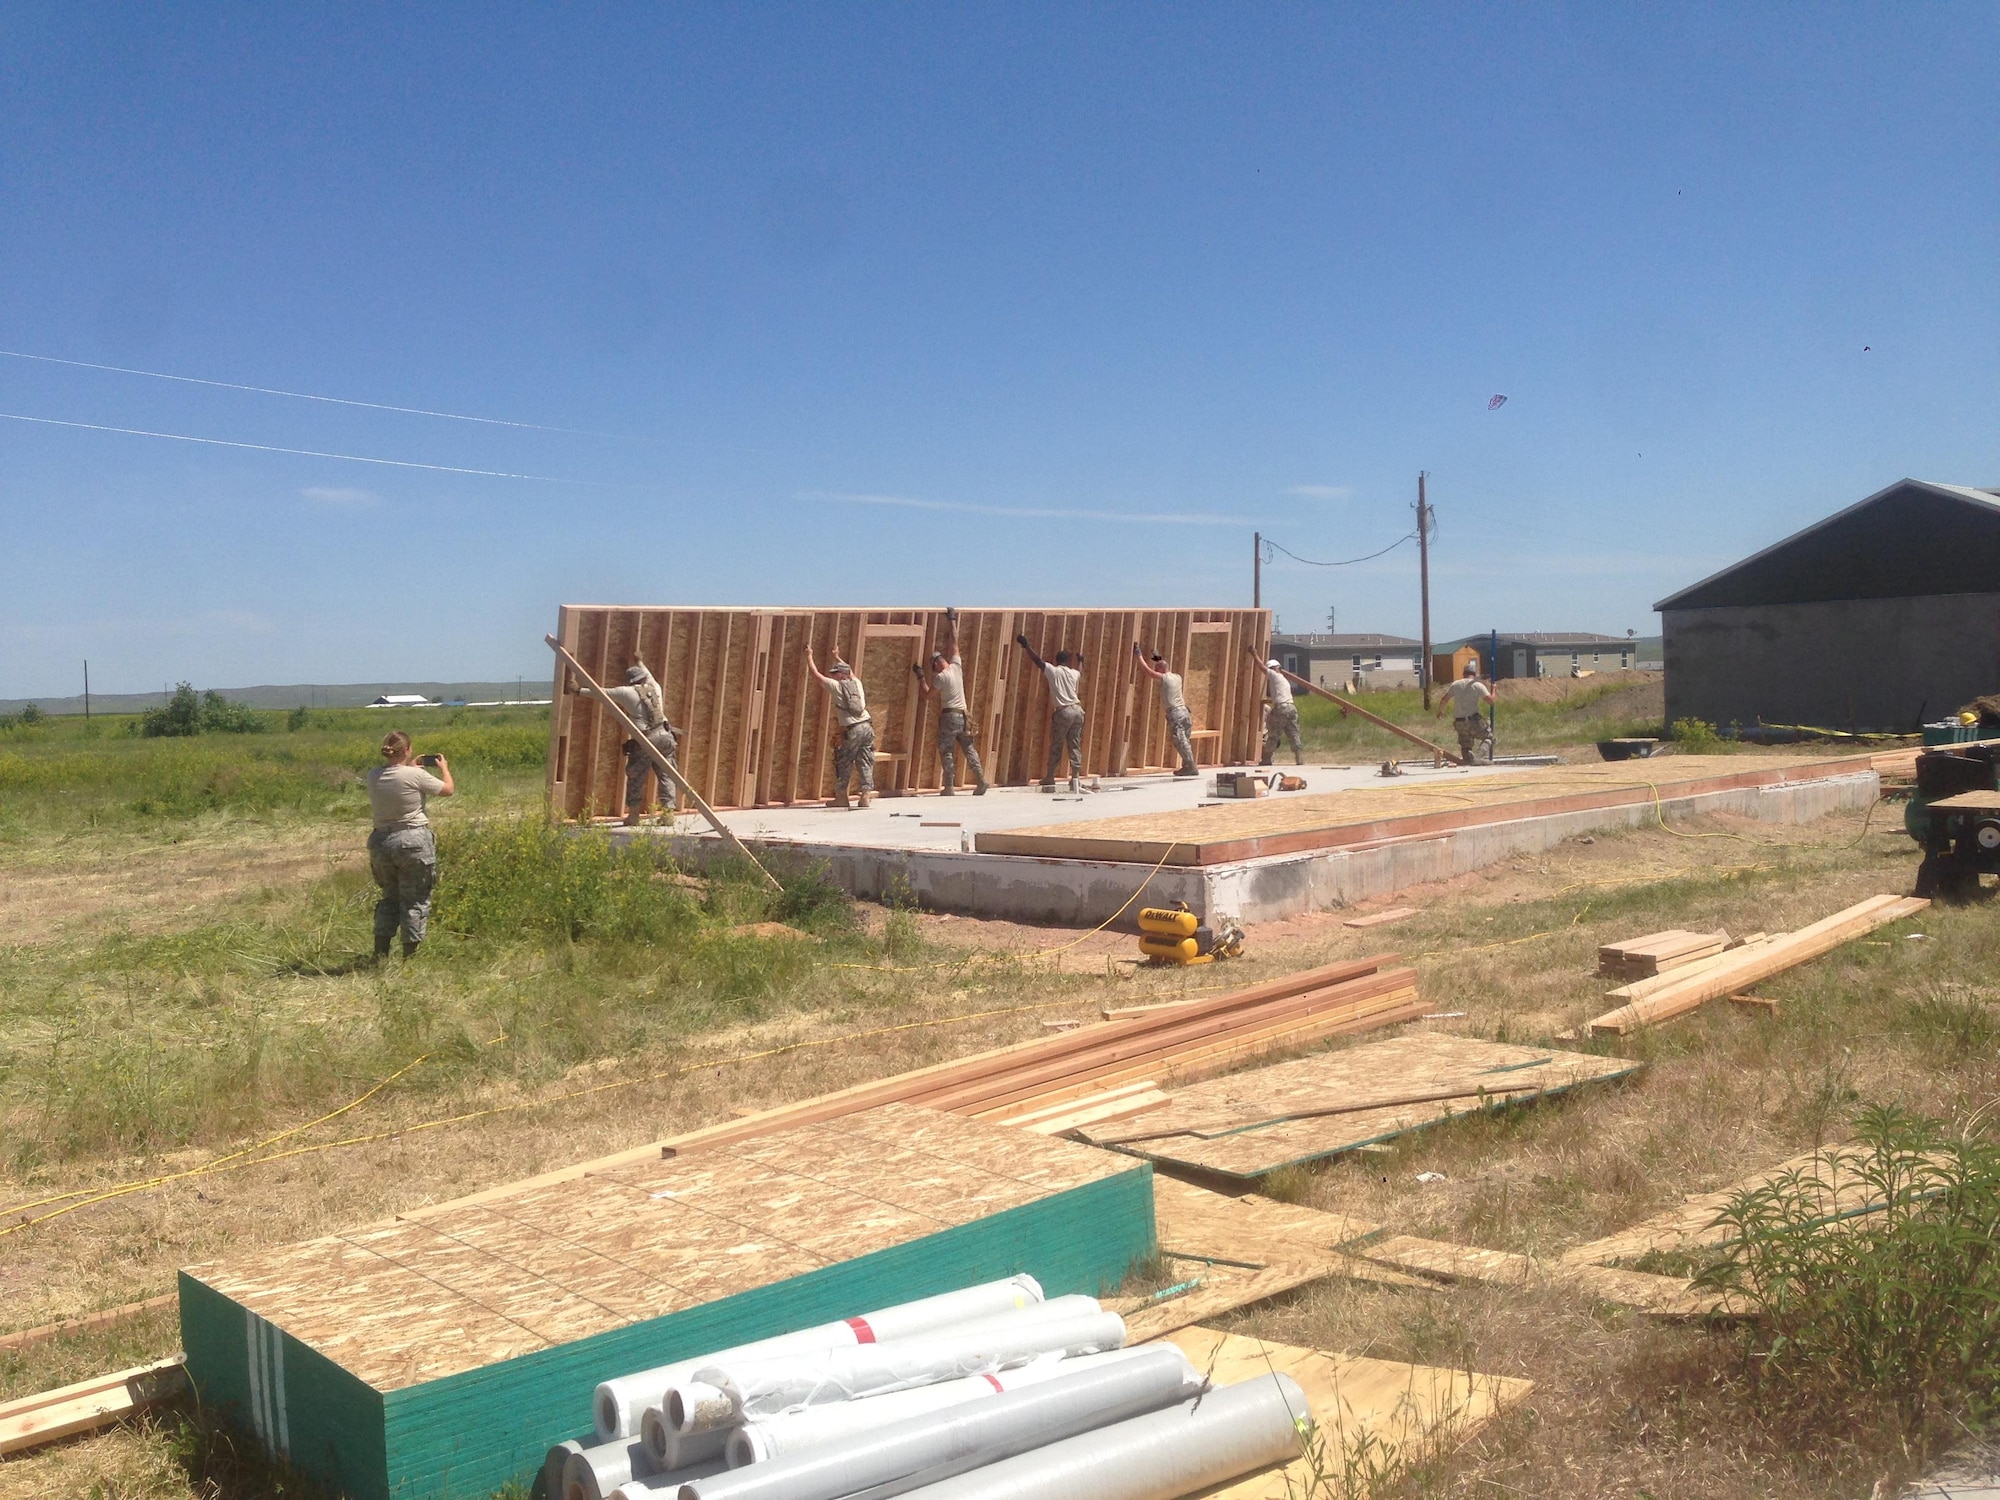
1256,570
1424,573
1331,628
86,690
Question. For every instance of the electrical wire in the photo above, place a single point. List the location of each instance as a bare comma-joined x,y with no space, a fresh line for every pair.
1343,563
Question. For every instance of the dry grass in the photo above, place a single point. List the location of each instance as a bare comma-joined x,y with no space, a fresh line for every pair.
1622,1407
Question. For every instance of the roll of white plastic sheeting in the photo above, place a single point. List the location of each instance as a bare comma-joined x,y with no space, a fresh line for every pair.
708,1409
663,1486
1224,1432
795,1432
732,1393
552,1468
923,1449
594,1472
621,1403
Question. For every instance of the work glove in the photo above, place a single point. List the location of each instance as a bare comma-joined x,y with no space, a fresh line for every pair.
918,669
951,614
1022,642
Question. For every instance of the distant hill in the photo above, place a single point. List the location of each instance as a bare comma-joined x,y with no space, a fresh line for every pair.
312,694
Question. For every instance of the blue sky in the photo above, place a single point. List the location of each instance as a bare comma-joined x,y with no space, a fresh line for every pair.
980,304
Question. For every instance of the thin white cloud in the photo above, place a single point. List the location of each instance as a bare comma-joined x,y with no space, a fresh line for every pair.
1025,512
1320,491
340,496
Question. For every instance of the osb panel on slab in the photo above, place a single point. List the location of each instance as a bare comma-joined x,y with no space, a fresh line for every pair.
1237,1125
1660,1296
755,729
1294,823
1394,1412
410,1301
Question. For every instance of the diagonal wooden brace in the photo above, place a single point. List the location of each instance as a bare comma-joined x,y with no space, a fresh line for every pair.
660,762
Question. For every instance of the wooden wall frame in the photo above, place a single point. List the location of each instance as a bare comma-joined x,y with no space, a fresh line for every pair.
756,731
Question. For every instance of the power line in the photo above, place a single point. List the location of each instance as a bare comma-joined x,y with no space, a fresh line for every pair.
352,458
1345,562
265,390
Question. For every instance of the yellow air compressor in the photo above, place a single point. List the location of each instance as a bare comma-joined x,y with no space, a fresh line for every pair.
1174,935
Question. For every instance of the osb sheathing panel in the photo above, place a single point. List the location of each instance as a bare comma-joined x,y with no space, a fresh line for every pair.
415,1300
755,730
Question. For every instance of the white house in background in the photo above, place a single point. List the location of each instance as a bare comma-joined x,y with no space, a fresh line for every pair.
402,700
1347,663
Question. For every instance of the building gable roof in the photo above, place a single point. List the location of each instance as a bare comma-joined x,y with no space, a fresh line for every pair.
1913,539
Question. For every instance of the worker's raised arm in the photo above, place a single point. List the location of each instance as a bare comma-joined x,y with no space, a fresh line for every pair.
812,667
1022,642
1146,666
949,648
441,769
923,682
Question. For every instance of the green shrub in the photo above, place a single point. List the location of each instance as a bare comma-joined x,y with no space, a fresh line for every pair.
1695,737
1900,1305
506,878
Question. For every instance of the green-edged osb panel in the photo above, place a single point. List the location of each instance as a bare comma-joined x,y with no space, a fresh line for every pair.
468,1434
299,1403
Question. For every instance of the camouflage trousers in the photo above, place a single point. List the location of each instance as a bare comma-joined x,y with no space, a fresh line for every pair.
1180,728
639,765
1283,720
1066,735
955,736
404,864
854,756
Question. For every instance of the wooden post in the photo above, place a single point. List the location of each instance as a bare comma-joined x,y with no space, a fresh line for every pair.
660,763
1424,573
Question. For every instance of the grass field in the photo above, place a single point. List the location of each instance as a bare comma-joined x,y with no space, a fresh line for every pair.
182,936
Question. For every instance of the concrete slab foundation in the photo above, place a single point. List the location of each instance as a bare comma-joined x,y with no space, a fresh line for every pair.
1084,893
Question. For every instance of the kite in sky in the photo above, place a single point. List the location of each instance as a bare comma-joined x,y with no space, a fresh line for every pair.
1496,403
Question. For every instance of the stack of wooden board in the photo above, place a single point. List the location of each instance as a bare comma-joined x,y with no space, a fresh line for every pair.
1648,1002
755,727
1035,1083
1657,952
445,1351
1247,1125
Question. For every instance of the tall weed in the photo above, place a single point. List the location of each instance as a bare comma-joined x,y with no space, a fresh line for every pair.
1899,1306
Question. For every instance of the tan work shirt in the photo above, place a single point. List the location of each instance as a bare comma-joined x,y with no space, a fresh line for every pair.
396,796
1062,685
1173,698
850,702
1277,688
1468,697
950,683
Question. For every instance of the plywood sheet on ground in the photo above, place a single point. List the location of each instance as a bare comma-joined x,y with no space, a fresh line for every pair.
1393,1413
1290,824
1248,1124
409,1301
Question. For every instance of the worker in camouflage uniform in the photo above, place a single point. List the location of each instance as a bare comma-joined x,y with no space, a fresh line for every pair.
1467,697
1065,712
854,750
402,850
646,705
1281,715
1173,699
954,719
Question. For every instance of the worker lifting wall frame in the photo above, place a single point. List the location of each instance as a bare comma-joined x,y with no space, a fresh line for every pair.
755,729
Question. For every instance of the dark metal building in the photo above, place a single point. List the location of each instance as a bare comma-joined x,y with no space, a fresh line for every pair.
1882,616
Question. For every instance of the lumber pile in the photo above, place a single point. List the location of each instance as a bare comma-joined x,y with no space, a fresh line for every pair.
1649,1002
87,1405
1657,952
1110,1070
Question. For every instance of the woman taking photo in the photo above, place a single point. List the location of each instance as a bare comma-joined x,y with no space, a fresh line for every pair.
402,852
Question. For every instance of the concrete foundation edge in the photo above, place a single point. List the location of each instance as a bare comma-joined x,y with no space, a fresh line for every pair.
1083,893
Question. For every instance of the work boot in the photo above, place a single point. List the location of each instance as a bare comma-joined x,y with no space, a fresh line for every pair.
840,801
1075,785
980,790
410,949
948,791
381,948
862,800
1187,771
1048,783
